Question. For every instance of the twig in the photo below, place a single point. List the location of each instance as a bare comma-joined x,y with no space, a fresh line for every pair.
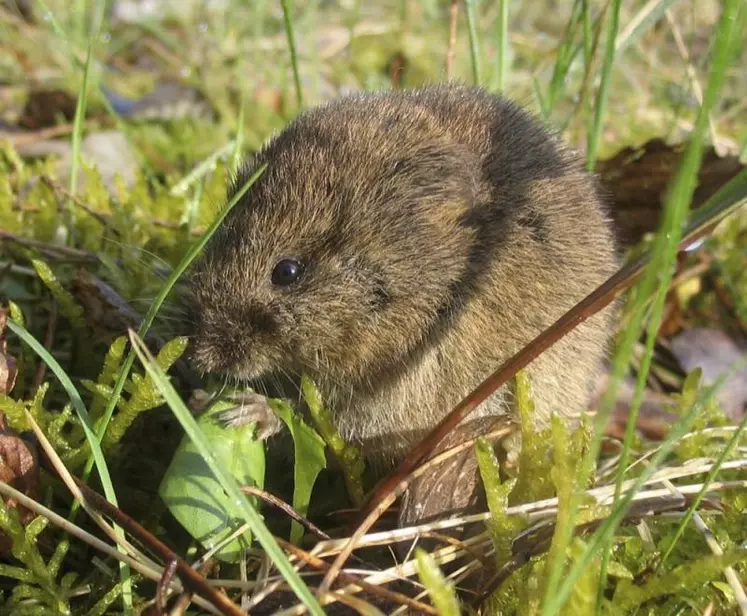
163,585
26,138
702,222
287,509
538,510
74,254
541,542
449,540
96,505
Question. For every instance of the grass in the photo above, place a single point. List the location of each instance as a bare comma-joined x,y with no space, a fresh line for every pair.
608,74
502,43
600,107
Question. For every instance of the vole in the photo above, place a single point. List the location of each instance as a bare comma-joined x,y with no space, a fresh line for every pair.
398,248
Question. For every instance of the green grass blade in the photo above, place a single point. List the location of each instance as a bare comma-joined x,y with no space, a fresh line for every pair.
96,454
564,58
474,43
604,533
201,170
588,33
80,108
287,20
79,20
122,127
544,107
726,195
502,46
728,199
252,518
53,21
600,106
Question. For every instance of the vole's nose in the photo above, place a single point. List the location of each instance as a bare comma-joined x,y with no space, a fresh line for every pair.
216,345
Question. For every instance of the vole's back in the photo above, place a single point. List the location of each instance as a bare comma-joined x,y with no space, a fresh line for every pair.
537,242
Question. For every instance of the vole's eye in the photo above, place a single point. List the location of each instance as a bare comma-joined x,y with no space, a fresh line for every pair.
286,272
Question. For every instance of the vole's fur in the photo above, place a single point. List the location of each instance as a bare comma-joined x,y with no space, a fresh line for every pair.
441,230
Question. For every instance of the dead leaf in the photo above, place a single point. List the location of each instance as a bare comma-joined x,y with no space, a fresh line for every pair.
715,354
8,364
636,180
19,468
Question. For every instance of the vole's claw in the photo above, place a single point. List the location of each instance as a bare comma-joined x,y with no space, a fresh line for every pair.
252,408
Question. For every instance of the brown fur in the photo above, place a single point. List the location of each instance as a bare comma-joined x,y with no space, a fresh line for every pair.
442,229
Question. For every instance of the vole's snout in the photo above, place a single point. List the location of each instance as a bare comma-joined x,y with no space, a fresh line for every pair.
233,342
214,351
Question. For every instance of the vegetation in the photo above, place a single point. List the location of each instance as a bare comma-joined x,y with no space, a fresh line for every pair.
96,235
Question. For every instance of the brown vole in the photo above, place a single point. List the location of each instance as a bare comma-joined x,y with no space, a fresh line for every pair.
398,248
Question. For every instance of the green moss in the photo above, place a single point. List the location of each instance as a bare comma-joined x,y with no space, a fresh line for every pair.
534,481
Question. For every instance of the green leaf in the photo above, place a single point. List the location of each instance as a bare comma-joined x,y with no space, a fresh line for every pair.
309,460
193,494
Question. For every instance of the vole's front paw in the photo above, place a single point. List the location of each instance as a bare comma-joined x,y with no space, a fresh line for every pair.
252,408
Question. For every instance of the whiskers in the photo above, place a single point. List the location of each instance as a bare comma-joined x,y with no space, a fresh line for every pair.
162,273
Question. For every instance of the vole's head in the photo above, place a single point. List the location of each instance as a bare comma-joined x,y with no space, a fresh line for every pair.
346,252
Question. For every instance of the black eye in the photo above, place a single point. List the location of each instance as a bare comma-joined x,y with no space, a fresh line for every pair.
286,272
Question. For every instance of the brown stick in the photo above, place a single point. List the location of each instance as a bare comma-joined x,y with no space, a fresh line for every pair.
287,509
53,250
163,586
